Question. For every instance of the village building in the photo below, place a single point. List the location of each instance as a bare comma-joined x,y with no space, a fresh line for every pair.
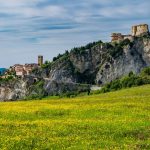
22,70
19,70
29,67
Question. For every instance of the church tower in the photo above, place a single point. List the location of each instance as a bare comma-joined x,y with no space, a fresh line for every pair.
40,60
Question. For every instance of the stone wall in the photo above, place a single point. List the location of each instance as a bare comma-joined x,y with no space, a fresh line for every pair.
116,37
140,30
130,37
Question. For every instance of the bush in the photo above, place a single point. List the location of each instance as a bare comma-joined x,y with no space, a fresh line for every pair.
126,42
114,85
46,65
116,51
69,94
37,90
5,80
128,81
80,50
145,71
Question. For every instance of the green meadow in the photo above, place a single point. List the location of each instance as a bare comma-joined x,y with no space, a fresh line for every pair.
115,120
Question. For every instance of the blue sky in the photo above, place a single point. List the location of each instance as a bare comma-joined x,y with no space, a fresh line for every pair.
29,28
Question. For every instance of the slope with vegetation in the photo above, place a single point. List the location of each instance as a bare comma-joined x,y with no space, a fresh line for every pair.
115,120
131,80
96,63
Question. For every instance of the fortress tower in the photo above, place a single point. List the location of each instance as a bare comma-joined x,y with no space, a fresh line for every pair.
40,60
139,30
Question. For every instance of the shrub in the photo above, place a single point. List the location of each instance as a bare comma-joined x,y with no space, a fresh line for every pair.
145,71
80,50
37,90
114,85
9,78
128,81
126,42
116,50
69,94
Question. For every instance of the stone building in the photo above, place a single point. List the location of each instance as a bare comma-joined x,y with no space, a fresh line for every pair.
136,31
139,30
29,67
22,70
19,70
118,37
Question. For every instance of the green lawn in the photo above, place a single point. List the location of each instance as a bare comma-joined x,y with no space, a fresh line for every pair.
116,120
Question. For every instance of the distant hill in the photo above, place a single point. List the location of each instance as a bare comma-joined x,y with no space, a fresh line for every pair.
2,71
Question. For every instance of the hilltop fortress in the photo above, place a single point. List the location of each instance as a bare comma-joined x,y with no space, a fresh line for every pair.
138,30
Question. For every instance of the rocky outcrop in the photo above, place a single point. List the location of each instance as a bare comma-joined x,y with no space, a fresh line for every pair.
58,88
32,88
134,58
98,66
13,90
97,63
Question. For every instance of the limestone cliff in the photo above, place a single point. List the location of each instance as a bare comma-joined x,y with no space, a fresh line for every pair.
96,63
103,62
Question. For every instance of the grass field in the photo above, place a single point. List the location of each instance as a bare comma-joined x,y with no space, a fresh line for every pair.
117,120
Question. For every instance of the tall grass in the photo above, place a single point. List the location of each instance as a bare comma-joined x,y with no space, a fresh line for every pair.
115,120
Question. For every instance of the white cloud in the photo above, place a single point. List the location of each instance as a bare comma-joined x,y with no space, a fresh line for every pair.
128,11
18,3
48,11
26,26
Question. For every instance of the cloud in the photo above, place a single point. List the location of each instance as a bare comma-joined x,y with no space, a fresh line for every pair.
28,11
127,11
49,27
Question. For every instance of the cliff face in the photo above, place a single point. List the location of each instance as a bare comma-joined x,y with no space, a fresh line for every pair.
13,90
134,58
101,64
32,88
98,63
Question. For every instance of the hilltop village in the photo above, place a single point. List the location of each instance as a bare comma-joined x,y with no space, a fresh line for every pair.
22,70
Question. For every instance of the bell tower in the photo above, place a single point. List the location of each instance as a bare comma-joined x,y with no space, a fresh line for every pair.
40,60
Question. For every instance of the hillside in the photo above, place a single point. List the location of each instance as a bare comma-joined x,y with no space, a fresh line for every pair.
100,63
116,120
74,71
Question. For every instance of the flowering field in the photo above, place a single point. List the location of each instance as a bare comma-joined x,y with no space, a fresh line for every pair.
117,120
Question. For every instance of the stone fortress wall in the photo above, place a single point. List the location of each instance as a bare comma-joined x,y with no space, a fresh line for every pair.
139,30
136,31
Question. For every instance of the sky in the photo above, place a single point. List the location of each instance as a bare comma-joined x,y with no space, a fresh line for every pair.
29,28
